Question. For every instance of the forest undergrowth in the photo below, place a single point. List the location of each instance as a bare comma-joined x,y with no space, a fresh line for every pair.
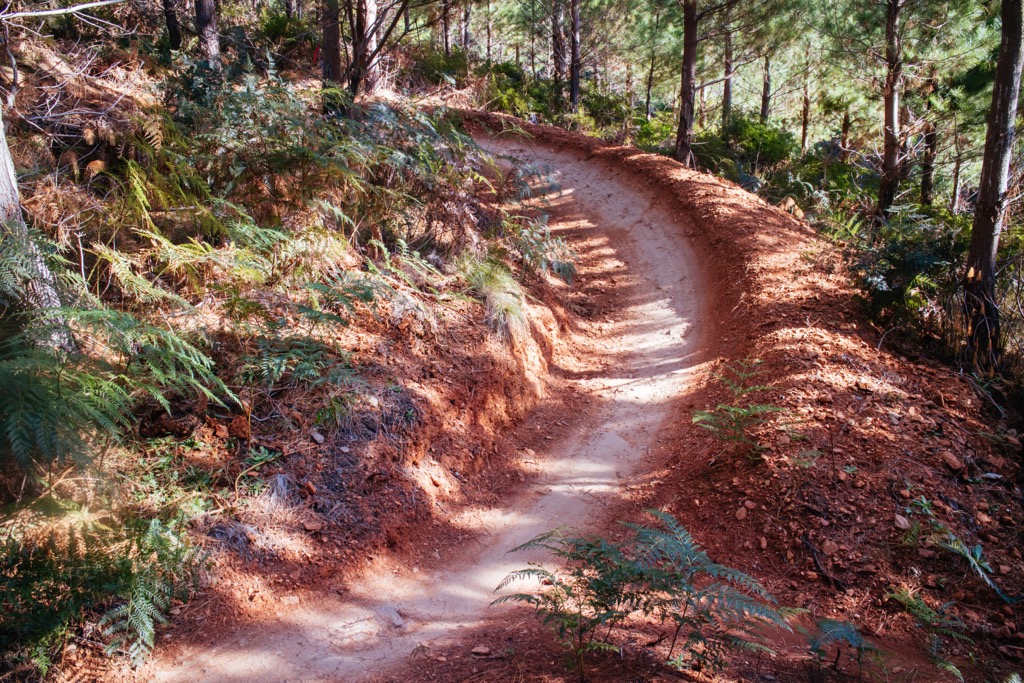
215,234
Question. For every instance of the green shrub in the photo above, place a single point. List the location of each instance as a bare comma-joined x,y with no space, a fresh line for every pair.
659,572
437,68
733,422
131,569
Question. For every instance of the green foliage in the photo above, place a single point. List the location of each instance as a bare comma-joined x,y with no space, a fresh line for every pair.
436,68
492,281
734,422
58,403
659,572
132,569
540,251
935,623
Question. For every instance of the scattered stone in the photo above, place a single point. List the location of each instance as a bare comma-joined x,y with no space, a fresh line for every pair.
317,436
345,449
312,526
749,504
901,522
390,614
952,462
905,493
481,651
764,542
829,547
440,659
811,576
741,514
1004,569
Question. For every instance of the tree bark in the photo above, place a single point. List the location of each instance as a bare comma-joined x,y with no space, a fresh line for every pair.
981,306
891,95
446,29
844,138
330,46
931,143
954,200
687,89
727,82
40,289
173,27
766,90
805,118
467,33
559,58
489,26
575,66
648,87
209,39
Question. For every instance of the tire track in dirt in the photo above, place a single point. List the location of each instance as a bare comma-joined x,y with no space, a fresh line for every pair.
643,360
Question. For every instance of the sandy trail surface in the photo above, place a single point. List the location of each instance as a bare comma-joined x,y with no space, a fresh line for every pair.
640,361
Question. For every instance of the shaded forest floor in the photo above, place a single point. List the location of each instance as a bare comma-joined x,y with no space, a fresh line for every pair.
875,459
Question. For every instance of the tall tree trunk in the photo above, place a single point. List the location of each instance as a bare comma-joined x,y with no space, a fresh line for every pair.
574,56
891,94
289,8
489,27
687,89
727,82
931,144
173,27
649,86
330,47
701,107
844,138
954,200
805,117
40,286
371,67
364,71
559,57
206,26
467,33
982,311
766,90
446,29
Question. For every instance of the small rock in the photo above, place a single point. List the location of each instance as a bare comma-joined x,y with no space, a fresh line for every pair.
741,514
829,547
345,449
1004,569
290,600
390,614
952,462
901,522
312,526
905,493
440,659
749,504
811,576
317,436
764,543
481,651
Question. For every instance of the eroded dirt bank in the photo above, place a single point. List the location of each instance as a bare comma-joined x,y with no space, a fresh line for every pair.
633,363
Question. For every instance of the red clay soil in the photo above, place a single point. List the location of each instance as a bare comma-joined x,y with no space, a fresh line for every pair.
870,441
818,518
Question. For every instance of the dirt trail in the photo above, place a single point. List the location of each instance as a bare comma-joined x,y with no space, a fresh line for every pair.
637,365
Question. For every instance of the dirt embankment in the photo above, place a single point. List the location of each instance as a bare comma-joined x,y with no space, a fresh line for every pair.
870,453
873,457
